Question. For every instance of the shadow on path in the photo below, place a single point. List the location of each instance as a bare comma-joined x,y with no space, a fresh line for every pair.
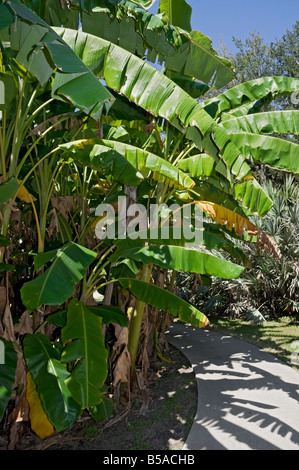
247,398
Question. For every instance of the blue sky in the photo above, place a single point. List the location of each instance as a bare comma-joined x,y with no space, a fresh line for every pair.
226,18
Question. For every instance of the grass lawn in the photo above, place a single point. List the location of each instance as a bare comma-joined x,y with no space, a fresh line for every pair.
275,337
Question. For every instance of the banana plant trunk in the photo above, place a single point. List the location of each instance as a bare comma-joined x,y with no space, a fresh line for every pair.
136,319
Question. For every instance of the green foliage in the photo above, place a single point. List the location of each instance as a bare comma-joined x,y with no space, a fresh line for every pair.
57,283
84,345
8,368
159,298
50,375
68,142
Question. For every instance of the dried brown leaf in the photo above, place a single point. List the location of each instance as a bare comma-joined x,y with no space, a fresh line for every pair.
8,334
24,324
122,368
64,204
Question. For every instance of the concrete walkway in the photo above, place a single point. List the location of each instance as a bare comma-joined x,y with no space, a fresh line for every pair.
247,399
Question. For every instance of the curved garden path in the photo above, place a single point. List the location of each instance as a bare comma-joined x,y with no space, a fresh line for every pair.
247,398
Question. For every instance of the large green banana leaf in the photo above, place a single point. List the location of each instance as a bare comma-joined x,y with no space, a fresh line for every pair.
272,151
125,162
104,159
164,300
43,53
8,189
54,13
212,239
184,259
50,375
272,122
151,90
198,165
84,344
215,190
108,313
250,92
56,284
139,31
177,12
8,367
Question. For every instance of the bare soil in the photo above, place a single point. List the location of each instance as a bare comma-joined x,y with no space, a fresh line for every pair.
165,424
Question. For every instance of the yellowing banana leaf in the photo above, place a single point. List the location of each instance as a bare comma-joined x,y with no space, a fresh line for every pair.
24,195
157,94
164,300
240,225
38,418
50,375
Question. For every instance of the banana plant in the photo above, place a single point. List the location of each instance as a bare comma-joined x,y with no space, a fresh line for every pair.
157,97
166,36
191,156
26,66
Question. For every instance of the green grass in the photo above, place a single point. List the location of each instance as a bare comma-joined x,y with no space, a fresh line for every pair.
275,337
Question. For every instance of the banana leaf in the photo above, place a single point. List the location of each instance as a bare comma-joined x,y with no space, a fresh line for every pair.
119,159
212,239
272,122
102,411
138,31
39,421
43,53
108,313
198,165
164,300
151,90
194,88
250,92
8,189
279,153
55,285
8,367
214,190
49,375
84,344
4,241
240,225
55,13
184,259
177,12
103,159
